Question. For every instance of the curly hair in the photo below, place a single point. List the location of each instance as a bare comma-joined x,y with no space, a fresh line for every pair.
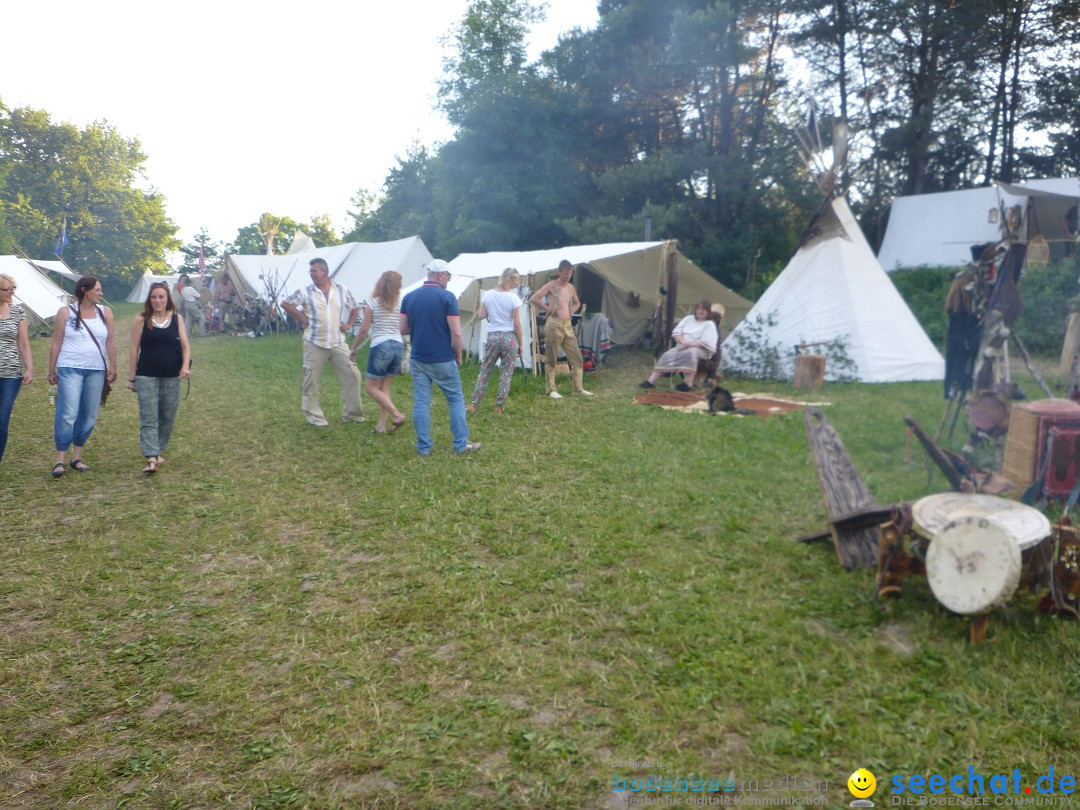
388,289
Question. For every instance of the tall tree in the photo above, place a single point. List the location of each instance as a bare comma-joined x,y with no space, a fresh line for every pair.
204,248
268,234
88,178
488,53
682,98
322,231
407,207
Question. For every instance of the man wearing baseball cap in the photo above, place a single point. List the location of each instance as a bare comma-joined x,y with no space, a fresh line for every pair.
430,314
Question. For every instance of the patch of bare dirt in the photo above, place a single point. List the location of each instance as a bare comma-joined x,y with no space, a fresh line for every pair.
518,702
159,706
227,562
367,784
447,652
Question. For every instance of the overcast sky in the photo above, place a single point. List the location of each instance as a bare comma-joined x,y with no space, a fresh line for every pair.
244,107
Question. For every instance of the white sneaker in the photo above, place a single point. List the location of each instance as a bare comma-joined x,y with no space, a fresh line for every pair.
584,393
471,447
554,395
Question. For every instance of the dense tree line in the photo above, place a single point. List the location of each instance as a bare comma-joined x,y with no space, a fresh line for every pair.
89,179
90,182
681,113
684,112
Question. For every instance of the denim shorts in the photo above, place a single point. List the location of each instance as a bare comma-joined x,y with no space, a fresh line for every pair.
385,360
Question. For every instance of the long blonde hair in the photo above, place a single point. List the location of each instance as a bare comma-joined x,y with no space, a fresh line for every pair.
388,289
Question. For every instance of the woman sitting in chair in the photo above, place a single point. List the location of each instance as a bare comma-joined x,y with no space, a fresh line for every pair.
695,339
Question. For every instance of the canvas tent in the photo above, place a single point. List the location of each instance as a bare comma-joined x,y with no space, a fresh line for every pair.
939,229
834,289
142,286
34,290
57,266
621,280
357,265
301,242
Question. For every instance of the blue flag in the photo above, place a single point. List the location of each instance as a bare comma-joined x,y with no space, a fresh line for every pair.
61,240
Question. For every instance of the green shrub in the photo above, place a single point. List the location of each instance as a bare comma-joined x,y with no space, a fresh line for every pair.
1045,292
924,290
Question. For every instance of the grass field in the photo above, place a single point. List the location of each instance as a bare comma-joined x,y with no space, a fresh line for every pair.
288,617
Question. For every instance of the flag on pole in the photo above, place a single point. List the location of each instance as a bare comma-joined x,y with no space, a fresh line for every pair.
202,260
61,239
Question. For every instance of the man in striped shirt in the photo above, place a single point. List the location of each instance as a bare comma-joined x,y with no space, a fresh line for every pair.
326,311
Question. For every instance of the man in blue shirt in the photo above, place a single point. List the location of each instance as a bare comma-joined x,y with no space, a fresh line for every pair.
430,314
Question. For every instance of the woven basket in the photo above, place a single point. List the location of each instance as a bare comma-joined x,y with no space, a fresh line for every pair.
1025,443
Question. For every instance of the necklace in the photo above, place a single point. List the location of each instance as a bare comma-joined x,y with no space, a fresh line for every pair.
160,324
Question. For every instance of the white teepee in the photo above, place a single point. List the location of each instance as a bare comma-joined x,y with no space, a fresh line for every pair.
834,291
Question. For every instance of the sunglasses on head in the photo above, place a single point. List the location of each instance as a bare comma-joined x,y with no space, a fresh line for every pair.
159,285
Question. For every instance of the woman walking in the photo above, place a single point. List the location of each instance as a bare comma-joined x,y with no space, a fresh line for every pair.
160,357
16,364
83,335
502,308
387,347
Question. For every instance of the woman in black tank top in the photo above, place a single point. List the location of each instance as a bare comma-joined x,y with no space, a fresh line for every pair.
160,358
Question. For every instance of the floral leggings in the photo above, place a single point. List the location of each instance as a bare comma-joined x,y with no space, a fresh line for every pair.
499,345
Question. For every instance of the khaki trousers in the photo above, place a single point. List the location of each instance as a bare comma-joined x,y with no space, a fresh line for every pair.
315,357
559,334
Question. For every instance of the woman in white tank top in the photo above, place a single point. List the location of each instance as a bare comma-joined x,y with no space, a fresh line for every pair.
83,336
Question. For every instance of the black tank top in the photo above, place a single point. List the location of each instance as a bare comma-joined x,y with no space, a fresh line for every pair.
160,354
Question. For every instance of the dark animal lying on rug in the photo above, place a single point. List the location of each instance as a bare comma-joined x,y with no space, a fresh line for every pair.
720,400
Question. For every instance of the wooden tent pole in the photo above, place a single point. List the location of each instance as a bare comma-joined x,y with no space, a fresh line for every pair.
534,338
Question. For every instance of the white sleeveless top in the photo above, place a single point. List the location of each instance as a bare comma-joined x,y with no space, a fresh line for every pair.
78,349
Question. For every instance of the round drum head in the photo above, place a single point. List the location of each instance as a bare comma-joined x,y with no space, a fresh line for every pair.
1027,525
973,565
988,413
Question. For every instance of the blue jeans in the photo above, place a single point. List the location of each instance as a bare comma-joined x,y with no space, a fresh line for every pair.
78,397
445,375
9,389
385,359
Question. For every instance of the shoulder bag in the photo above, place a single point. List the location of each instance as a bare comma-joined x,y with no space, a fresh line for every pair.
107,388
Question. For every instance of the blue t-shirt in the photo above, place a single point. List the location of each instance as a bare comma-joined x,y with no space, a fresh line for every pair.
427,309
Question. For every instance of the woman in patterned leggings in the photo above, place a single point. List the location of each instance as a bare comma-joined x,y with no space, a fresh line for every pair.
502,308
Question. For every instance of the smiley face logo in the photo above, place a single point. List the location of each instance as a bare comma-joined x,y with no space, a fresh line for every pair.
862,783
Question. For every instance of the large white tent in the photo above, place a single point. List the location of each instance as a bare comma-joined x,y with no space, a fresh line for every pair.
357,265
833,289
34,290
938,230
142,286
622,280
58,266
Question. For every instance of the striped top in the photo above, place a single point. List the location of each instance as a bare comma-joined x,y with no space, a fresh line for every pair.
325,313
10,359
385,324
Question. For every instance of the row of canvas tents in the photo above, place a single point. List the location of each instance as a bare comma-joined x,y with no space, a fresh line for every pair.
939,229
620,280
821,295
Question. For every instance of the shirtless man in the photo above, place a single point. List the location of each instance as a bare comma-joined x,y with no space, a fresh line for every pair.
560,300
